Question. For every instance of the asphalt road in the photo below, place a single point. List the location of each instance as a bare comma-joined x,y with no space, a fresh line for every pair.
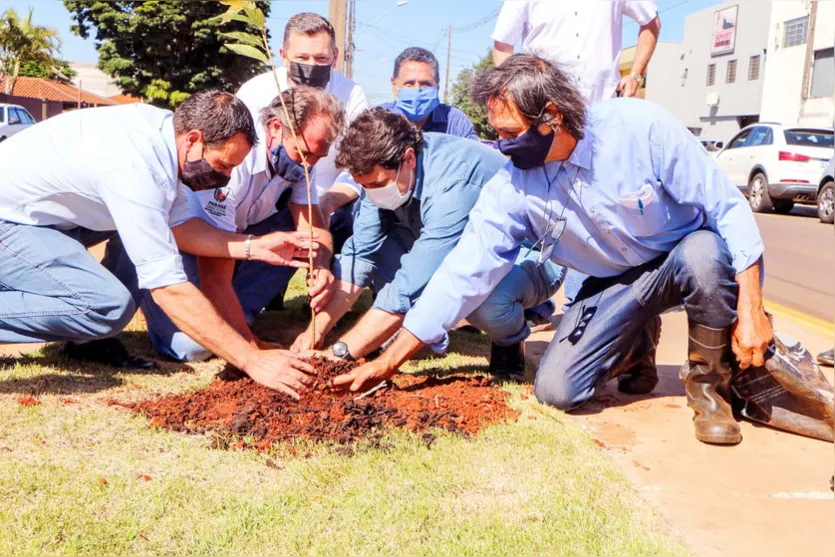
799,262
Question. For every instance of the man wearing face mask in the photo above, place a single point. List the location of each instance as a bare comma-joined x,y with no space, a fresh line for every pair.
309,55
414,84
248,206
419,189
83,177
625,194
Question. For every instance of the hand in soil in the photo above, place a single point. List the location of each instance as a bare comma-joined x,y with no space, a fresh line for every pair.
305,341
282,371
320,289
368,374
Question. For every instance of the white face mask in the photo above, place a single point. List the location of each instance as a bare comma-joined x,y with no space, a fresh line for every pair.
389,197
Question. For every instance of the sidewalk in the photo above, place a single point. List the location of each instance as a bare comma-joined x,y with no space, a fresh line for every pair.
768,496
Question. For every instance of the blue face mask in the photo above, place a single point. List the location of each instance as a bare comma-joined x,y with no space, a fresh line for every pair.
417,103
284,166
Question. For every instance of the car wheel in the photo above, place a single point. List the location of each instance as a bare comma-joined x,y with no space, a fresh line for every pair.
783,206
758,196
2,139
826,203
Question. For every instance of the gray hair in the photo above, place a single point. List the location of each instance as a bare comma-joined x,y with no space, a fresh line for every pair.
217,114
416,54
530,83
308,23
303,104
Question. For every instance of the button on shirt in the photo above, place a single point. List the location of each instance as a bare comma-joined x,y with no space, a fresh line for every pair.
260,91
444,119
584,38
634,186
250,197
104,169
449,176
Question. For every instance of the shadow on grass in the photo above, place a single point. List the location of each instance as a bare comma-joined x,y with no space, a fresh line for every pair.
67,376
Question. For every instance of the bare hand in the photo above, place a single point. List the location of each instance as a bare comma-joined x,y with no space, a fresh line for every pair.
375,371
305,341
752,334
320,288
288,249
282,371
628,86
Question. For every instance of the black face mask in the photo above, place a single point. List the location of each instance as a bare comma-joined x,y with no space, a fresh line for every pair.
286,167
199,175
529,150
310,74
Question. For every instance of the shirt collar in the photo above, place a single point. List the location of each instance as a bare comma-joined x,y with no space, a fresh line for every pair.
418,191
581,155
259,159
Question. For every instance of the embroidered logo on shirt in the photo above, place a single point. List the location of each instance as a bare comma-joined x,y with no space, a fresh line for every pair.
220,194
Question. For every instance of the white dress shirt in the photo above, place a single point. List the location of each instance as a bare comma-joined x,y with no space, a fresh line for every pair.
260,91
249,198
583,38
112,168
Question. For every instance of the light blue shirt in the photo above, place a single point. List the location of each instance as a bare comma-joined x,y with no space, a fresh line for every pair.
450,174
104,169
634,186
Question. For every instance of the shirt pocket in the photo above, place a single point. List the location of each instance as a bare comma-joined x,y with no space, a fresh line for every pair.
642,211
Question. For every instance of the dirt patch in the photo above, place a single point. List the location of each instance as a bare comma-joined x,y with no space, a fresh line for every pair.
259,417
28,401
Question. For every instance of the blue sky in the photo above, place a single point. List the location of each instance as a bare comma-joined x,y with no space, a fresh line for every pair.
383,30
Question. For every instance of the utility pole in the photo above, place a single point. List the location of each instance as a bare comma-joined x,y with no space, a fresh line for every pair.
349,41
337,16
448,55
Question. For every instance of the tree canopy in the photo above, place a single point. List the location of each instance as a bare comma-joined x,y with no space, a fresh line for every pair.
163,50
23,42
462,99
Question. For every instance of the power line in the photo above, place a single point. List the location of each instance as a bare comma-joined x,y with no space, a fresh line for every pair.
477,23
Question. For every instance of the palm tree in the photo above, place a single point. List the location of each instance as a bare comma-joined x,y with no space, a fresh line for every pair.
21,40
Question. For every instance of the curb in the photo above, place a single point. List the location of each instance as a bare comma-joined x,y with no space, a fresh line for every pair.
819,326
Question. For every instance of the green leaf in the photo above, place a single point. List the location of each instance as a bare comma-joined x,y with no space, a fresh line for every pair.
256,16
247,50
232,16
245,38
237,5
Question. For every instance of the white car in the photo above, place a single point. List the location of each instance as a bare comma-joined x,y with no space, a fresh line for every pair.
13,118
826,194
776,166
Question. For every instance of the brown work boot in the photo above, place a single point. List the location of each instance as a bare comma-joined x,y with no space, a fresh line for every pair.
642,377
707,377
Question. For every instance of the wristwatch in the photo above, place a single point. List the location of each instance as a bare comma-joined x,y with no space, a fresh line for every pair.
637,77
340,350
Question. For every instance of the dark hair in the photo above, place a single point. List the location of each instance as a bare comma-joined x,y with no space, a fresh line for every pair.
377,137
416,54
303,103
530,82
308,23
218,114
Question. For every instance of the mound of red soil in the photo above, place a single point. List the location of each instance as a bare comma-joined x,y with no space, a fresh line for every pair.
260,417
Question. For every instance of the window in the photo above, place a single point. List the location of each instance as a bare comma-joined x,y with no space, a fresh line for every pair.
14,117
730,75
29,118
740,141
810,138
754,68
711,74
2,114
795,31
760,136
823,73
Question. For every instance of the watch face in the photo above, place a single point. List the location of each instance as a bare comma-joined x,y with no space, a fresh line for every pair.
340,349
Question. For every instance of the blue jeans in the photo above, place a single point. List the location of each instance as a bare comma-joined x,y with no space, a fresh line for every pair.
255,283
528,284
342,224
53,289
606,328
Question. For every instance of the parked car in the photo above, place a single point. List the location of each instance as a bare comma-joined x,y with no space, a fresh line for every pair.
776,166
826,194
13,119
712,146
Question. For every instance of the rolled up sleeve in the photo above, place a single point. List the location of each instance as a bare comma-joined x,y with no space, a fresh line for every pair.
692,177
485,253
642,11
358,259
511,22
444,217
140,203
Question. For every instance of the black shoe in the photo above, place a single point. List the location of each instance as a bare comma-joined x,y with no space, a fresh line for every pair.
108,351
827,358
507,361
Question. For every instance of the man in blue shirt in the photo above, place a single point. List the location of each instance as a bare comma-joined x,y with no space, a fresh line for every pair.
625,194
419,190
414,84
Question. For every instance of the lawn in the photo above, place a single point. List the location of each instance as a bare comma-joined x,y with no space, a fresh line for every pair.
79,476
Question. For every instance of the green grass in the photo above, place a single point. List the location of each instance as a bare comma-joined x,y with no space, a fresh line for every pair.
70,478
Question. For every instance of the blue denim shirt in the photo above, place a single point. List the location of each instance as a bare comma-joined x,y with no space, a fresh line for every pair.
632,189
449,176
444,119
